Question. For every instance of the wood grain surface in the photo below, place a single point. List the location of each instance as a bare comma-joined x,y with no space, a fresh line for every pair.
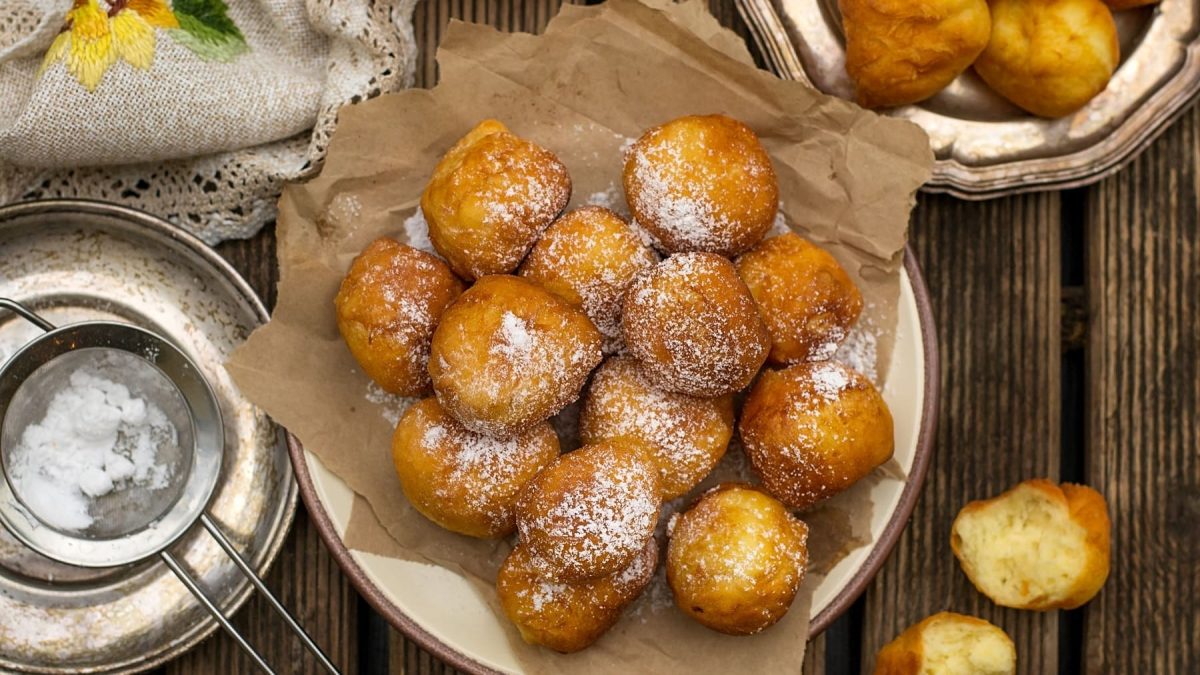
993,275
1143,426
1069,326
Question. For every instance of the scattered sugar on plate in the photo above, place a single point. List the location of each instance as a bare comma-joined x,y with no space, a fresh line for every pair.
95,439
859,351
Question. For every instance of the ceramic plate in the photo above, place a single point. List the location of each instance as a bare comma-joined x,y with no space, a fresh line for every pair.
439,609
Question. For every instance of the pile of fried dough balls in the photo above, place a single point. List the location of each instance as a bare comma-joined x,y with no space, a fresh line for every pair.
526,305
1049,57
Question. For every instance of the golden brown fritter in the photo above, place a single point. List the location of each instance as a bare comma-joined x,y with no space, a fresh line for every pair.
807,300
466,482
693,325
736,559
702,183
1050,57
904,51
812,430
509,354
387,307
490,198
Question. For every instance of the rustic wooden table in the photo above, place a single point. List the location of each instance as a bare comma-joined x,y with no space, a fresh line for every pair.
1069,325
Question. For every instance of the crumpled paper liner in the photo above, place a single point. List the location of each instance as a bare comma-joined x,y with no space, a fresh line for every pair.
594,81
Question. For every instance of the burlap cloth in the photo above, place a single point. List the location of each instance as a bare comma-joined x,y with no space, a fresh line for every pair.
194,110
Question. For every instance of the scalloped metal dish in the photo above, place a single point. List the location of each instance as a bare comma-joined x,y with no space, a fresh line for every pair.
985,147
78,260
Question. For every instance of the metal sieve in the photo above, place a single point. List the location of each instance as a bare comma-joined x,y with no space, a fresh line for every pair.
130,526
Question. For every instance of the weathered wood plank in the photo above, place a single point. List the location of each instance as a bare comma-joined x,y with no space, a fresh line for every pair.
993,271
1143,399
304,577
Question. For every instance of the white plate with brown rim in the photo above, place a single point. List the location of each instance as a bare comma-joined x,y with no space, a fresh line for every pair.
443,613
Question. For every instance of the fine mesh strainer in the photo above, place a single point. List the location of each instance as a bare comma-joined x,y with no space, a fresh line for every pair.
134,524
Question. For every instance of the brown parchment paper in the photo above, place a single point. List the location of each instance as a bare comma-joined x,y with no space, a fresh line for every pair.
593,82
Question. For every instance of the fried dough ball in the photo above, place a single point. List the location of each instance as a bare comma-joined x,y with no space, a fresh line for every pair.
949,644
694,326
387,307
569,617
1038,546
465,482
589,257
904,51
813,430
736,559
1050,57
807,300
509,354
702,183
590,512
687,435
490,197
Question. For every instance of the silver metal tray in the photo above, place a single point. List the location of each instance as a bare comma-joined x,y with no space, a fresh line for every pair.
75,261
985,146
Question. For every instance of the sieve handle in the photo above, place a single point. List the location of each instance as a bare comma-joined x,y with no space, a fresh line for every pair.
26,313
225,544
212,609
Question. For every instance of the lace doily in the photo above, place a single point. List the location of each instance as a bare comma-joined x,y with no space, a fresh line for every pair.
369,50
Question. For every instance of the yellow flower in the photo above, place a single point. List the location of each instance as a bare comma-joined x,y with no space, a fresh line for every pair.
155,12
133,38
95,37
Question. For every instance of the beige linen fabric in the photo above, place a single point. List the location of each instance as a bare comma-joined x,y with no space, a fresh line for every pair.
201,127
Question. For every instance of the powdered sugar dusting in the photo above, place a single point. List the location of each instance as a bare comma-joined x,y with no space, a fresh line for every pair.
595,255
687,216
484,474
595,524
345,209
534,189
647,237
391,406
694,326
612,198
829,380
780,226
688,435
416,232
96,438
515,341
859,351
696,196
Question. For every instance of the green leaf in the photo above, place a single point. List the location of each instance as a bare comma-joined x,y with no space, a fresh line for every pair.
206,29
